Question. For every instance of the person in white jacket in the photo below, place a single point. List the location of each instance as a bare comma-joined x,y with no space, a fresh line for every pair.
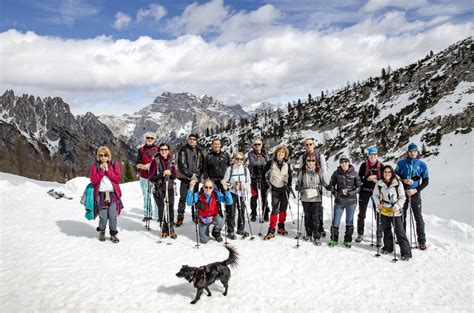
237,177
389,197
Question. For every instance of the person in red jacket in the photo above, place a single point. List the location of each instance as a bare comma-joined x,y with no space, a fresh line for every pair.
145,155
105,176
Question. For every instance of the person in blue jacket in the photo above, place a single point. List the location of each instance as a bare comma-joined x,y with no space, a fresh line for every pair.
207,202
414,174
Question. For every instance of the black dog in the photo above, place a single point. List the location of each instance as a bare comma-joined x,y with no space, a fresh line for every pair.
206,275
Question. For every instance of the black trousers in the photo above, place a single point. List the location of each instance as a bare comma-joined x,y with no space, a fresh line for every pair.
160,203
416,209
387,222
183,190
313,212
279,200
364,202
254,199
234,209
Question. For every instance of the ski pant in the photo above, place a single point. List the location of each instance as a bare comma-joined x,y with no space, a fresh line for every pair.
279,206
218,223
313,212
364,198
231,211
183,191
146,187
338,210
264,210
162,208
416,209
387,222
108,213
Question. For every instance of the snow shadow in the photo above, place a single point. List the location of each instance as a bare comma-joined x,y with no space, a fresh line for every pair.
130,222
77,229
185,289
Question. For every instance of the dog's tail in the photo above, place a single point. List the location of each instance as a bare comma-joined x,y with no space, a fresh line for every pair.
233,258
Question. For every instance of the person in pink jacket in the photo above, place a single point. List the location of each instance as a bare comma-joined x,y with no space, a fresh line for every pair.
105,176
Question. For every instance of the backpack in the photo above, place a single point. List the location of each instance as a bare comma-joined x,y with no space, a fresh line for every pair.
246,172
367,170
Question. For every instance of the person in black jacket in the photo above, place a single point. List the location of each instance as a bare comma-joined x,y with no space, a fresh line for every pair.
256,160
190,166
345,185
369,172
215,164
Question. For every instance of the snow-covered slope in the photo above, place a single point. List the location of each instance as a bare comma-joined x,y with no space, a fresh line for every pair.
51,259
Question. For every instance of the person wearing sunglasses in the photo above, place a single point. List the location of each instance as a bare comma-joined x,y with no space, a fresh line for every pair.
278,175
310,149
145,155
310,182
190,167
256,160
237,177
163,170
370,172
345,185
105,176
389,197
207,202
414,174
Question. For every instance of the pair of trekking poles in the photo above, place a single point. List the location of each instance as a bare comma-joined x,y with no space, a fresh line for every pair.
166,217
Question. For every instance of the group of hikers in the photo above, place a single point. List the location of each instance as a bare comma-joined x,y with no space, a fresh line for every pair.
228,183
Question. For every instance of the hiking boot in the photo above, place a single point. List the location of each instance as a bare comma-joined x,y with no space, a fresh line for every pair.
164,234
242,233
317,242
281,229
114,239
253,218
179,222
332,243
102,235
348,244
322,233
269,236
216,233
306,238
423,246
359,238
405,258
386,251
231,236
173,234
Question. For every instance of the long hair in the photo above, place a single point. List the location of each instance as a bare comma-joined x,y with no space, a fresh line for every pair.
393,176
317,167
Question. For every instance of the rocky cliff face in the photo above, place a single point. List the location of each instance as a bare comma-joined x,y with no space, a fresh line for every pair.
41,139
172,116
421,102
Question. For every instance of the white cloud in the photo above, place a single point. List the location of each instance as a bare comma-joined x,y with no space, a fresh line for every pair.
377,5
156,11
121,21
197,19
66,12
279,64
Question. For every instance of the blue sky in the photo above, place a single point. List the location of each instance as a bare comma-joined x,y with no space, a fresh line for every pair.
116,56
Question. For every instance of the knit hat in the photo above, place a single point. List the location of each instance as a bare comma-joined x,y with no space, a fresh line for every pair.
344,157
193,136
412,147
371,150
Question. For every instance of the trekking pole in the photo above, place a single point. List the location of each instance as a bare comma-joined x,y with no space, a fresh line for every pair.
167,207
259,203
298,233
289,206
247,214
225,225
393,234
148,206
378,225
196,222
373,218
412,228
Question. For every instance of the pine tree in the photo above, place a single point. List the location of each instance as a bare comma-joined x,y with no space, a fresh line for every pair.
128,173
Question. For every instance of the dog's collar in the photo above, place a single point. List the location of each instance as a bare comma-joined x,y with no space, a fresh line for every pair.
200,269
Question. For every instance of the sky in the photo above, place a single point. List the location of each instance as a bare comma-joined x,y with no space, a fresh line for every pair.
113,57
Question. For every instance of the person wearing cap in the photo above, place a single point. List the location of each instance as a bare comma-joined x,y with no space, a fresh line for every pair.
345,185
414,174
310,149
369,172
145,155
256,160
190,167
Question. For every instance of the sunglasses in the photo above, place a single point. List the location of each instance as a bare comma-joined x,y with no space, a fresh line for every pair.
257,144
310,160
103,155
150,138
239,159
308,144
208,187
